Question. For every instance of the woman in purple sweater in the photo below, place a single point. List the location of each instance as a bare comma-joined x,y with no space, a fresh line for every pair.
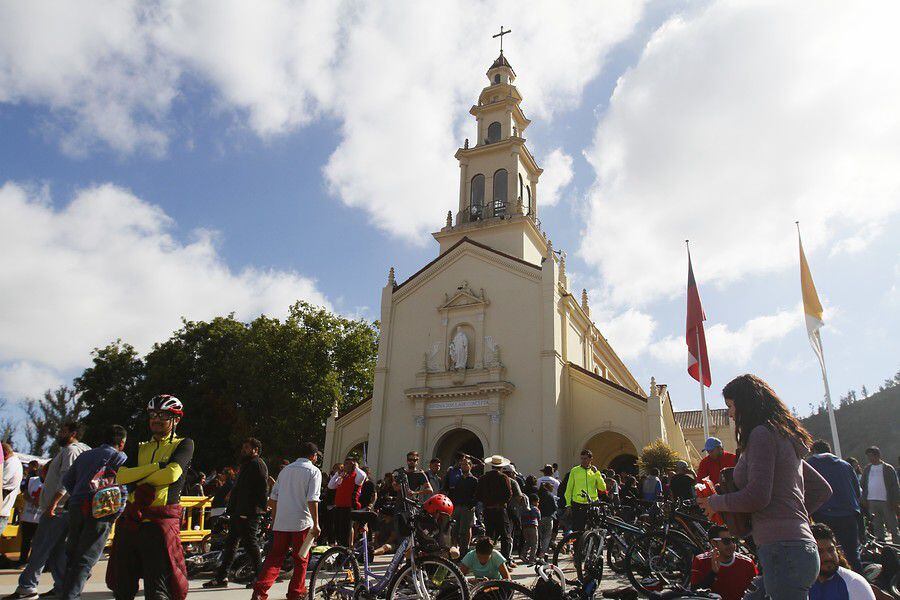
775,485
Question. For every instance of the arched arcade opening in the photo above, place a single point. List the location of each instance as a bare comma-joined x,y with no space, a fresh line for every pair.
613,450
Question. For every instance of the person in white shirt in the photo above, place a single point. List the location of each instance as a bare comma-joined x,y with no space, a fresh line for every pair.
881,495
548,477
31,514
12,482
295,501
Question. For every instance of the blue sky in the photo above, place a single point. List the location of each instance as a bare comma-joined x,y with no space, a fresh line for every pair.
195,159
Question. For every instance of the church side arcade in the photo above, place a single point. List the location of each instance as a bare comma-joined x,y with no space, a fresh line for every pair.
486,350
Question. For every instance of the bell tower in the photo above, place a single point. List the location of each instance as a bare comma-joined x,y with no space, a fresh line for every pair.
498,176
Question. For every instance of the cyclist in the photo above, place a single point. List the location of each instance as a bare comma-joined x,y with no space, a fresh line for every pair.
583,486
147,543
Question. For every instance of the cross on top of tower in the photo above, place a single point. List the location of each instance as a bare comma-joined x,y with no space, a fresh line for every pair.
500,35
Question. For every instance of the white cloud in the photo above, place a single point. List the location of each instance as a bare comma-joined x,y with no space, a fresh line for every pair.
21,380
106,266
629,332
737,120
731,347
396,77
93,65
557,175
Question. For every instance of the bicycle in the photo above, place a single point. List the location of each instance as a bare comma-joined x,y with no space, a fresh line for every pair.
413,572
659,559
587,546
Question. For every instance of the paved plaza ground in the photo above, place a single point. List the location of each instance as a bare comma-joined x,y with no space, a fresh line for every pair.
96,589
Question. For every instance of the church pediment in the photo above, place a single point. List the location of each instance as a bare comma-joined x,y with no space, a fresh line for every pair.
464,297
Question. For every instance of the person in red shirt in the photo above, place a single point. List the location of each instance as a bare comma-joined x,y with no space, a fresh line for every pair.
716,460
722,570
346,483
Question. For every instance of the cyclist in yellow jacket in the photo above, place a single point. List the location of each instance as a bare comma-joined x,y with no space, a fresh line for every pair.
147,543
584,484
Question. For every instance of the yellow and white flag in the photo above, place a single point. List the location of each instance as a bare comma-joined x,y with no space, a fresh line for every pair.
812,308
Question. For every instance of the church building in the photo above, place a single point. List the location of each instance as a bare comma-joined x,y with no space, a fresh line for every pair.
486,349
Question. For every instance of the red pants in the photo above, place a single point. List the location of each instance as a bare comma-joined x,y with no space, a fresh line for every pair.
283,541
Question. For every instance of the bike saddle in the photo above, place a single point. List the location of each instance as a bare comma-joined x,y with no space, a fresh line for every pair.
364,517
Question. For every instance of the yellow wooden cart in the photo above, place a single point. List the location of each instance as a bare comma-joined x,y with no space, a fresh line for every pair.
193,524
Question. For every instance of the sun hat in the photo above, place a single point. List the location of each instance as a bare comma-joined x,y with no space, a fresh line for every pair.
496,461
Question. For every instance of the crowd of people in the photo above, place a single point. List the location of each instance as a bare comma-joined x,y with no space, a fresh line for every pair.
808,507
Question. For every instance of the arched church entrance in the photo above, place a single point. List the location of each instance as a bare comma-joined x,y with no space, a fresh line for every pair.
455,441
624,463
613,450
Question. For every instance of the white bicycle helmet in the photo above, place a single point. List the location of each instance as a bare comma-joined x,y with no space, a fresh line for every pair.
167,403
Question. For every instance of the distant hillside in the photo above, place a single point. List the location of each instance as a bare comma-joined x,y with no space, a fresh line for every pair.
872,421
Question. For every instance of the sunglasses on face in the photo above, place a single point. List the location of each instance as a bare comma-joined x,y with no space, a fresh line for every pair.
725,540
161,415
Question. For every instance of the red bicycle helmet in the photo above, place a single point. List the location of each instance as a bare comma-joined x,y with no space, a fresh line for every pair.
437,504
166,403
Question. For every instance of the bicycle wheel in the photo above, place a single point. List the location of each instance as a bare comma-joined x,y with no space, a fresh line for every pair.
615,555
564,556
656,561
334,576
501,590
589,557
432,578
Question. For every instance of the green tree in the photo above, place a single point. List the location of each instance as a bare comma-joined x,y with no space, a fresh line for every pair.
46,415
272,379
111,390
657,454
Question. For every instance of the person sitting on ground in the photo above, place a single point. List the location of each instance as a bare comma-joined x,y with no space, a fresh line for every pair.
722,570
484,562
836,581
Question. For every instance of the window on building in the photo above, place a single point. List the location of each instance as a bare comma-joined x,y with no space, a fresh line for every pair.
476,202
497,78
527,200
521,188
494,131
501,183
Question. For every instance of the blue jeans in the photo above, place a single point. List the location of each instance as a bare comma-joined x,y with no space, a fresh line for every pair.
87,538
48,550
789,569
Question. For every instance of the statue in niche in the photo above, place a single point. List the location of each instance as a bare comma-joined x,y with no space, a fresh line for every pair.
459,350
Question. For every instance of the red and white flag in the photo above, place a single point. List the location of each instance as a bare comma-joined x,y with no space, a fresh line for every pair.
694,336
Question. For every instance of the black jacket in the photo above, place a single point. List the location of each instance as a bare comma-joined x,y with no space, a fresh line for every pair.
251,489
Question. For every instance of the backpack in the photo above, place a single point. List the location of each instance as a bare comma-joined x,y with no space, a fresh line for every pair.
108,498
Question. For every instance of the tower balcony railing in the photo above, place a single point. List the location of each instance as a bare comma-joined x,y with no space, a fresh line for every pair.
477,212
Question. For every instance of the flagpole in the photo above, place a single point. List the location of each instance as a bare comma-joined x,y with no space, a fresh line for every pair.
700,366
820,352
831,421
703,392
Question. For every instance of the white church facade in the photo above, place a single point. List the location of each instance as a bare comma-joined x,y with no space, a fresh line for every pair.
486,349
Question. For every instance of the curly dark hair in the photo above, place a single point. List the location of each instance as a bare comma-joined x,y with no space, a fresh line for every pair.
755,403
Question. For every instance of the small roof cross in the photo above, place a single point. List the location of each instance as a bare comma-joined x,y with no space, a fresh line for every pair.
500,35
